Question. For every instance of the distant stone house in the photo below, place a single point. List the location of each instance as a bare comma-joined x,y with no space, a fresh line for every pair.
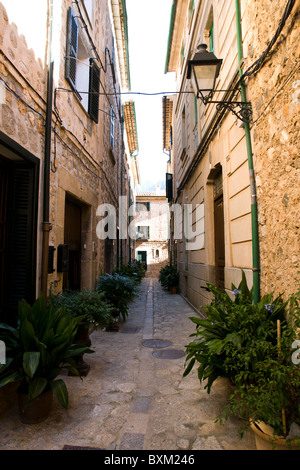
63,144
151,222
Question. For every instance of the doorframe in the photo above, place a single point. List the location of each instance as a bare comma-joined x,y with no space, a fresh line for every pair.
18,156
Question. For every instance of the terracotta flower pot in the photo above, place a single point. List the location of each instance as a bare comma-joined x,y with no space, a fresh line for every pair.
266,441
173,290
82,338
36,411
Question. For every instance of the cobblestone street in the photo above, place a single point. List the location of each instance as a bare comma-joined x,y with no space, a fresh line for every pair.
135,396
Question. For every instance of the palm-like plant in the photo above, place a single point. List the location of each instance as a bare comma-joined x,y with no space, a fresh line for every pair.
39,348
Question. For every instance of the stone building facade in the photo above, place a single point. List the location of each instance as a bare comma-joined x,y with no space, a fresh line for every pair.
219,163
208,156
275,95
151,222
63,144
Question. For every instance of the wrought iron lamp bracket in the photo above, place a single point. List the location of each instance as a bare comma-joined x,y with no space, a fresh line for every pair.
242,110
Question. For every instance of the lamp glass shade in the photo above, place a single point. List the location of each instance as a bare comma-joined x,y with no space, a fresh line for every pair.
203,70
203,78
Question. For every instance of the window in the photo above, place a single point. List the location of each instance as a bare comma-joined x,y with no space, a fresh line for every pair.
182,52
196,108
183,130
169,186
143,231
88,5
211,38
81,71
112,127
191,7
156,253
142,206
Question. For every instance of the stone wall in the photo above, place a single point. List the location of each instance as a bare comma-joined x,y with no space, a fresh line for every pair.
84,164
275,95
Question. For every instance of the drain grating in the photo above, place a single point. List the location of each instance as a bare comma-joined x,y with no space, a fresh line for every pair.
156,343
70,447
168,353
129,330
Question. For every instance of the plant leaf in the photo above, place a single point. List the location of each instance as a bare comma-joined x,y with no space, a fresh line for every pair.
31,361
15,377
36,387
60,391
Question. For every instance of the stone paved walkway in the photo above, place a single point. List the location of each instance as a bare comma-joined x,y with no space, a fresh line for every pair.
132,399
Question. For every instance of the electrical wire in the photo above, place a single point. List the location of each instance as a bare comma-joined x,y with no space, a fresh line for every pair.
256,66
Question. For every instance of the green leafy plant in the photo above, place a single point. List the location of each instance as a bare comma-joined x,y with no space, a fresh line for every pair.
234,335
168,277
240,340
134,270
118,291
88,304
39,348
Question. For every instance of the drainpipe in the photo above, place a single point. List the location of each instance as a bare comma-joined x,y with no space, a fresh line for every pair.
254,221
46,226
121,208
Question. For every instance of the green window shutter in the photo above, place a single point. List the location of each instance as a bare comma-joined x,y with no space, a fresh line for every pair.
211,38
72,48
112,127
196,109
192,7
148,206
94,87
148,234
169,186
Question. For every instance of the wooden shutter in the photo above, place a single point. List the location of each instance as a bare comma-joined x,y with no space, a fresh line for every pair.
169,186
22,254
148,206
72,48
94,88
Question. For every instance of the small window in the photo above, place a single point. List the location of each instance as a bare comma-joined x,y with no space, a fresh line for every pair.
191,8
211,38
81,71
183,130
88,5
112,127
142,206
156,253
143,231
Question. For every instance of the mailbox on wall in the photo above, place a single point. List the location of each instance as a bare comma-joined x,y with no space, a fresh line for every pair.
62,258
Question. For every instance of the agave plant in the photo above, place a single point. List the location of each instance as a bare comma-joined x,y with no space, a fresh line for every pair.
39,348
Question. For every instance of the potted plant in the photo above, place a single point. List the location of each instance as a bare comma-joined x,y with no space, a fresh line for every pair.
169,278
94,311
134,270
37,350
118,291
250,344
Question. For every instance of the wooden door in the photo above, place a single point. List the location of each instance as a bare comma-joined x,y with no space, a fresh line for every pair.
72,278
219,241
4,177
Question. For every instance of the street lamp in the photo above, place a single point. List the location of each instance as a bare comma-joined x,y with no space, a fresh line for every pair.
203,70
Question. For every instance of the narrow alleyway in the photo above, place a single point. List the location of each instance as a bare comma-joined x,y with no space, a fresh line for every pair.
134,396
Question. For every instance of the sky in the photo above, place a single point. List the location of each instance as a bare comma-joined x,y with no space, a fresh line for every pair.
148,30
